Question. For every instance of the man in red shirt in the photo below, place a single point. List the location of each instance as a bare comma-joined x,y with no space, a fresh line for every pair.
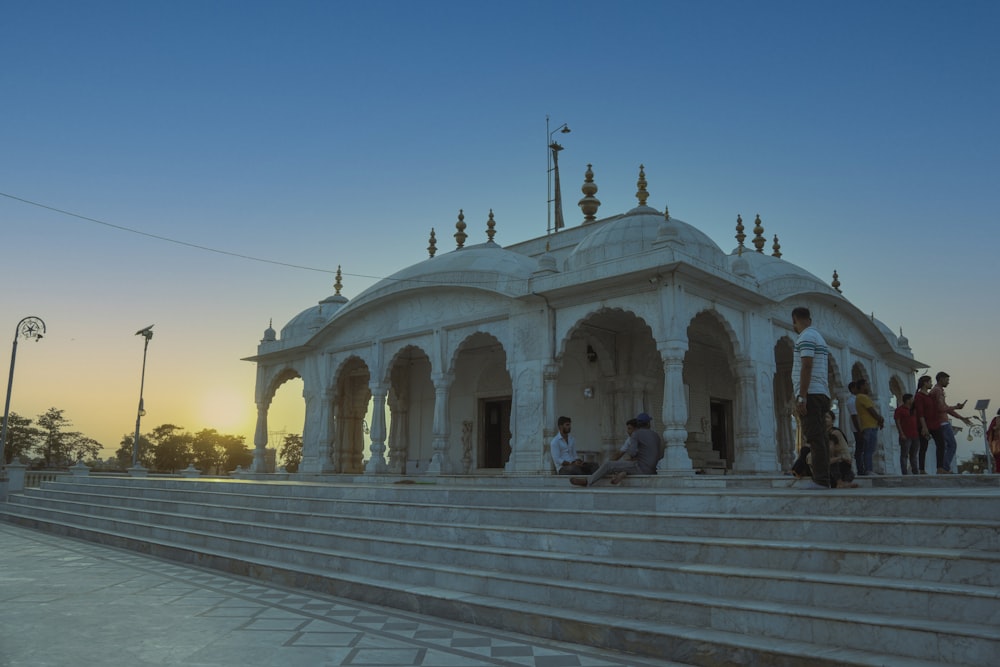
947,434
926,413
909,437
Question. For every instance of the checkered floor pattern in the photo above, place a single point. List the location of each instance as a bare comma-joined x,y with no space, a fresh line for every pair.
114,607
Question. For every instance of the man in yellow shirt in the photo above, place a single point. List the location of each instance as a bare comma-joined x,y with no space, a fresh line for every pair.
870,422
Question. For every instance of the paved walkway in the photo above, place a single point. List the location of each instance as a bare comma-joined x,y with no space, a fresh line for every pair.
69,602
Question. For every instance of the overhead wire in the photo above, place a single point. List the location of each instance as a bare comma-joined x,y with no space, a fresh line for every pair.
205,248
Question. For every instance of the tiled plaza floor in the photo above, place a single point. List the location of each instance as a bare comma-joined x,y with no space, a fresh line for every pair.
69,602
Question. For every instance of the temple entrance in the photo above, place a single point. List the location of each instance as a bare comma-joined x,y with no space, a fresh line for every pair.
721,416
495,449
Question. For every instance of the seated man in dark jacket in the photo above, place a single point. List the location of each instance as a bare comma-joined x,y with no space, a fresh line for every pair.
645,452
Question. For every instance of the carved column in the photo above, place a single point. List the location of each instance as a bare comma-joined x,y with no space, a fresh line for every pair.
398,429
325,428
442,385
748,456
675,459
377,463
550,378
354,439
260,438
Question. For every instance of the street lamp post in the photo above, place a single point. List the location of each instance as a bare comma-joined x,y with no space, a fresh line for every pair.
552,148
979,429
146,333
29,327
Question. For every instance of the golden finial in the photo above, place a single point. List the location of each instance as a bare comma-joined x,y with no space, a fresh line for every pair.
740,236
589,204
460,235
490,227
432,244
666,213
758,235
776,247
642,195
337,284
836,282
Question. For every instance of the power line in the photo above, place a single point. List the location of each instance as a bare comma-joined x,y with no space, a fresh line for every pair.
228,253
165,238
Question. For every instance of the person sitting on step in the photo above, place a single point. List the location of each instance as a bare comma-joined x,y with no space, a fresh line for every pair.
644,449
841,472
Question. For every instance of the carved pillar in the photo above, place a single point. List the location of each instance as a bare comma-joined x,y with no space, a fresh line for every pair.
886,458
354,439
333,453
377,463
675,459
260,438
612,431
398,428
550,377
442,385
325,428
310,445
748,456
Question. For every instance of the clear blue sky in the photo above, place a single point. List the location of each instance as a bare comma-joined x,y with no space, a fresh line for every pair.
332,133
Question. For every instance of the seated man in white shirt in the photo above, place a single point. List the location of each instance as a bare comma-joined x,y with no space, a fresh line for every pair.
563,450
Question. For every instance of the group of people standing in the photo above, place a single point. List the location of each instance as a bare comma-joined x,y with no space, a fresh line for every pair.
919,419
825,454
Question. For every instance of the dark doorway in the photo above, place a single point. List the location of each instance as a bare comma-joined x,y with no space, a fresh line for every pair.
496,433
722,416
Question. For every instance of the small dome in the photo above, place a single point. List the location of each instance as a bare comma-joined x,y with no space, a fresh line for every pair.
636,232
486,266
302,325
770,270
269,334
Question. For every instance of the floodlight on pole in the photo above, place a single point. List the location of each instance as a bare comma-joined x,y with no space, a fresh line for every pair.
146,333
551,149
29,327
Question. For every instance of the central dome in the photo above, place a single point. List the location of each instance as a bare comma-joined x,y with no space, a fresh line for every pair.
635,232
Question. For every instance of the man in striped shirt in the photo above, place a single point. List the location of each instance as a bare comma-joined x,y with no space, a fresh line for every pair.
810,370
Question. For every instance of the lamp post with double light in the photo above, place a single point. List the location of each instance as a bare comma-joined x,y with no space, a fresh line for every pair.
146,333
29,327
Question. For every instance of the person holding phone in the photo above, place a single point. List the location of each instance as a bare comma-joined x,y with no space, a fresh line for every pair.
945,410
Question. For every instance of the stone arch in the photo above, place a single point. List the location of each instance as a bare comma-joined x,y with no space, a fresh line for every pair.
713,391
410,401
897,388
279,377
480,401
860,372
352,402
609,370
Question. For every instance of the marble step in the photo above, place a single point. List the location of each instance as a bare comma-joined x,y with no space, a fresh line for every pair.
620,598
924,563
641,557
939,503
918,532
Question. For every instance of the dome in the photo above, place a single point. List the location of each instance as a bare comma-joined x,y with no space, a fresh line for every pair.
636,232
772,273
486,266
302,325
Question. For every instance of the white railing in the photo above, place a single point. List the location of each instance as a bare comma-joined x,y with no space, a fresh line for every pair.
34,478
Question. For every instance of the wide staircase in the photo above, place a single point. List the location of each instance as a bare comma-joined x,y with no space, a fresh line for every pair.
708,572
